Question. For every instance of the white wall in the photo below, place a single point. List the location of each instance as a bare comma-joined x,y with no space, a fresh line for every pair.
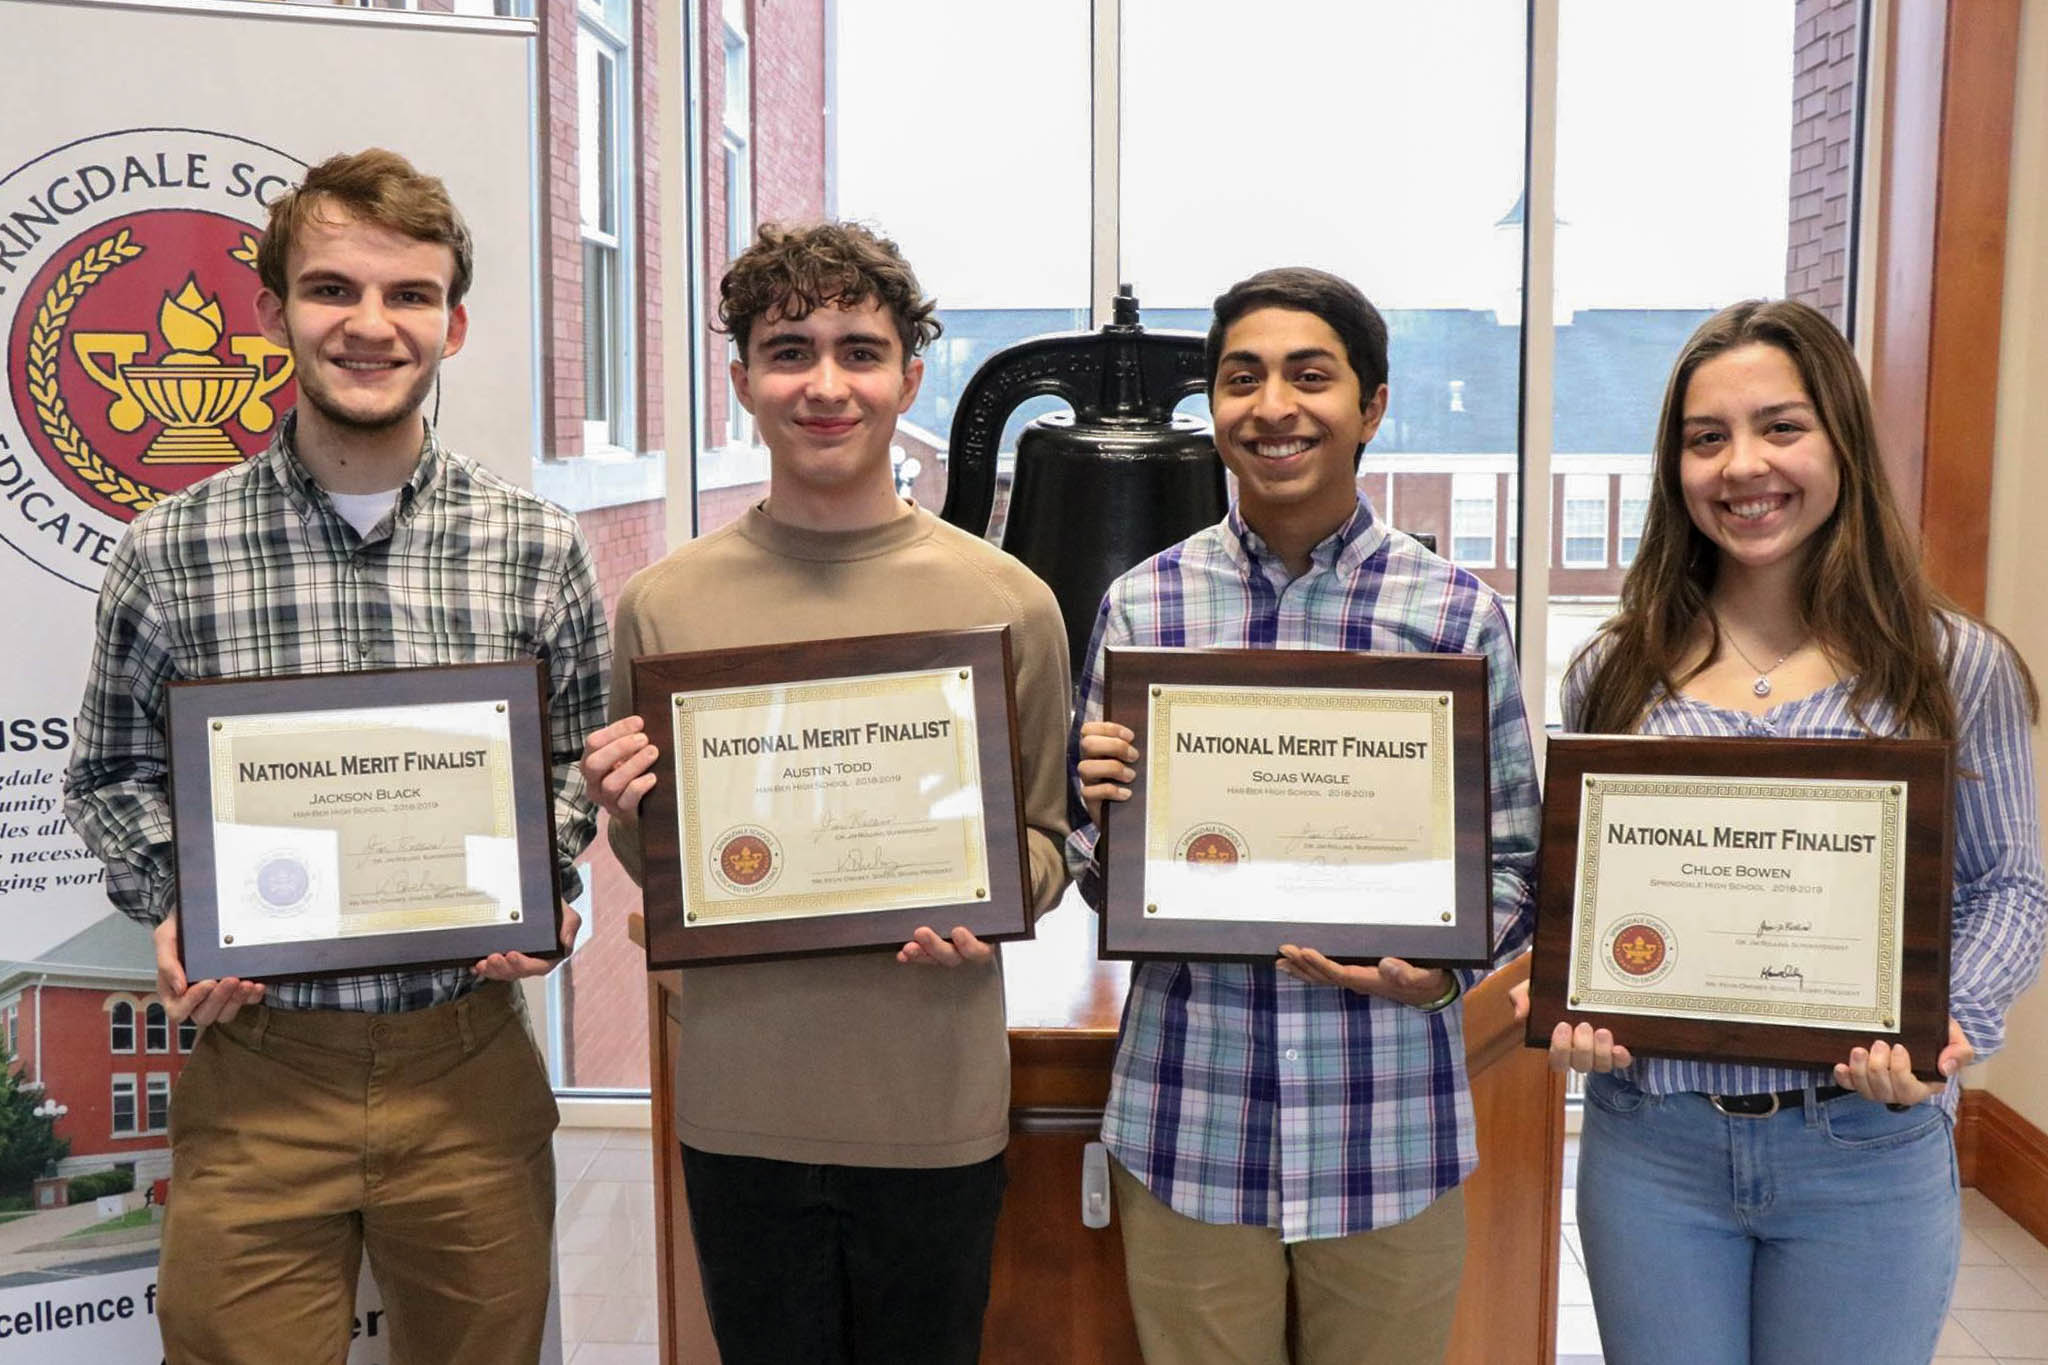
2019,550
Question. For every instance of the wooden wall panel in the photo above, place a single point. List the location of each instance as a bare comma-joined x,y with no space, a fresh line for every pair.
1947,163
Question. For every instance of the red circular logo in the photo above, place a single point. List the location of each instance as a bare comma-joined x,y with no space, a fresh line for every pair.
1211,850
1638,949
135,363
746,860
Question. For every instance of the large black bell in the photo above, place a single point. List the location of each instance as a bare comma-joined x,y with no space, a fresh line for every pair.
1099,490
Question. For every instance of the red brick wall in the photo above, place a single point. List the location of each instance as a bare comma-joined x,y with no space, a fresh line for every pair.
786,48
789,109
561,235
647,188
605,986
1825,67
711,158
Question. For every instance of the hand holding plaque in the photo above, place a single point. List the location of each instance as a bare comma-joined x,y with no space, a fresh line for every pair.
1318,797
317,834
1777,901
837,797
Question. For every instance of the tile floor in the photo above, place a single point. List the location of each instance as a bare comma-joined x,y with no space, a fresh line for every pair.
604,1239
1999,1313
605,1236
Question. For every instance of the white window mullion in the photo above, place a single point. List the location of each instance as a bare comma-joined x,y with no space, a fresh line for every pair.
1105,249
1539,354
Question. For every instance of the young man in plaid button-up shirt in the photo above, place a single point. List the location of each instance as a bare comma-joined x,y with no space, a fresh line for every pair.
1303,1121
405,1113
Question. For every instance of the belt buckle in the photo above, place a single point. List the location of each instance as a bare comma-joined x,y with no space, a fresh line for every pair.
1716,1101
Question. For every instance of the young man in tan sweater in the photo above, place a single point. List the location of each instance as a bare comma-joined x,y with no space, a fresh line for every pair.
843,1118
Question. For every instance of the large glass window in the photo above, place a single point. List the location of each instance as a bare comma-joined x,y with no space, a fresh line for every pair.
978,169
157,1103
1394,146
156,1028
1668,208
1391,152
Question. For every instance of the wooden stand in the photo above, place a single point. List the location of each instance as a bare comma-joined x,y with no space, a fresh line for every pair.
1058,1290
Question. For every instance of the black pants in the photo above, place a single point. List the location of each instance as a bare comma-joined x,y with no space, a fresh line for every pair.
843,1265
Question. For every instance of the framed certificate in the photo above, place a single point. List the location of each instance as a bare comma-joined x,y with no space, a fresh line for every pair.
356,821
1330,799
1754,900
832,796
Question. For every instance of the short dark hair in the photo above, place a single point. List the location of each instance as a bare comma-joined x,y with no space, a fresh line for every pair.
1336,301
790,271
373,186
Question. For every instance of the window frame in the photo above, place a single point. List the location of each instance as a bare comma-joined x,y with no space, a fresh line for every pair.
155,1084
1491,502
1624,550
119,1083
616,430
114,1013
156,1020
1565,533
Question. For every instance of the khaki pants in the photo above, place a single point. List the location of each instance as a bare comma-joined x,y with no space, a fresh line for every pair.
300,1139
1216,1294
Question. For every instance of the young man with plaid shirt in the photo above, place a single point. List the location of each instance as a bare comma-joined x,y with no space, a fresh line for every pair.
1303,1121
405,1113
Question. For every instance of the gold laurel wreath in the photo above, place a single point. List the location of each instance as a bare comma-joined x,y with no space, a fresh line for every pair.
45,340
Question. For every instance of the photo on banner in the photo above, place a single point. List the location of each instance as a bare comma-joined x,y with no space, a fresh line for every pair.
130,208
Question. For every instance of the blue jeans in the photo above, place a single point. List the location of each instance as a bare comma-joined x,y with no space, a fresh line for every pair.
1825,1232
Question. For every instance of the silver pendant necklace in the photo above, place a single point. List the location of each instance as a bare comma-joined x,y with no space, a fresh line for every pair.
1762,686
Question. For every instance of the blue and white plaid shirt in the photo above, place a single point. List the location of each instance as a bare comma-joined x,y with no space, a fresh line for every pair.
253,573
2000,903
1241,1095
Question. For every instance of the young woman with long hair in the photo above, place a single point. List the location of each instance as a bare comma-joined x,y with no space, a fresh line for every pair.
1751,1215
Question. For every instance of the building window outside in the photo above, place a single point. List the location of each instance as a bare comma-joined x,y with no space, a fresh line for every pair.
604,139
736,135
10,1022
1514,519
156,1028
124,1105
1635,505
156,1116
121,1027
1585,521
1473,518
188,1034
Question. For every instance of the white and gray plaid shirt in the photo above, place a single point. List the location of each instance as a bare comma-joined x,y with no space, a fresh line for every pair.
253,573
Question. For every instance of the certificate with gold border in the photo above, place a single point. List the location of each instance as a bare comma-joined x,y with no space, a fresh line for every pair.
833,797
1746,899
1329,799
316,833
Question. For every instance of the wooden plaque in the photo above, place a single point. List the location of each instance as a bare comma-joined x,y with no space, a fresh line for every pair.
832,796
1774,901
351,822
1281,806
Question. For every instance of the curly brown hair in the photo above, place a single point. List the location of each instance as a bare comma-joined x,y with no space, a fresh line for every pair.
373,186
789,271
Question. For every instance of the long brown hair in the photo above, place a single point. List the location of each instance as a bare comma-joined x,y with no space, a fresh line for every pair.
1862,596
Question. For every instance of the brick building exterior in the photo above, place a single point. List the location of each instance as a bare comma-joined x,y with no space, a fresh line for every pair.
1827,37
84,1022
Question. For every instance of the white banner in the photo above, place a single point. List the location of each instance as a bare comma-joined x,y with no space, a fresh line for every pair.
140,147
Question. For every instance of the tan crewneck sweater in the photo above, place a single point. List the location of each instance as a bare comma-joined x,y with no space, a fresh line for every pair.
853,1059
